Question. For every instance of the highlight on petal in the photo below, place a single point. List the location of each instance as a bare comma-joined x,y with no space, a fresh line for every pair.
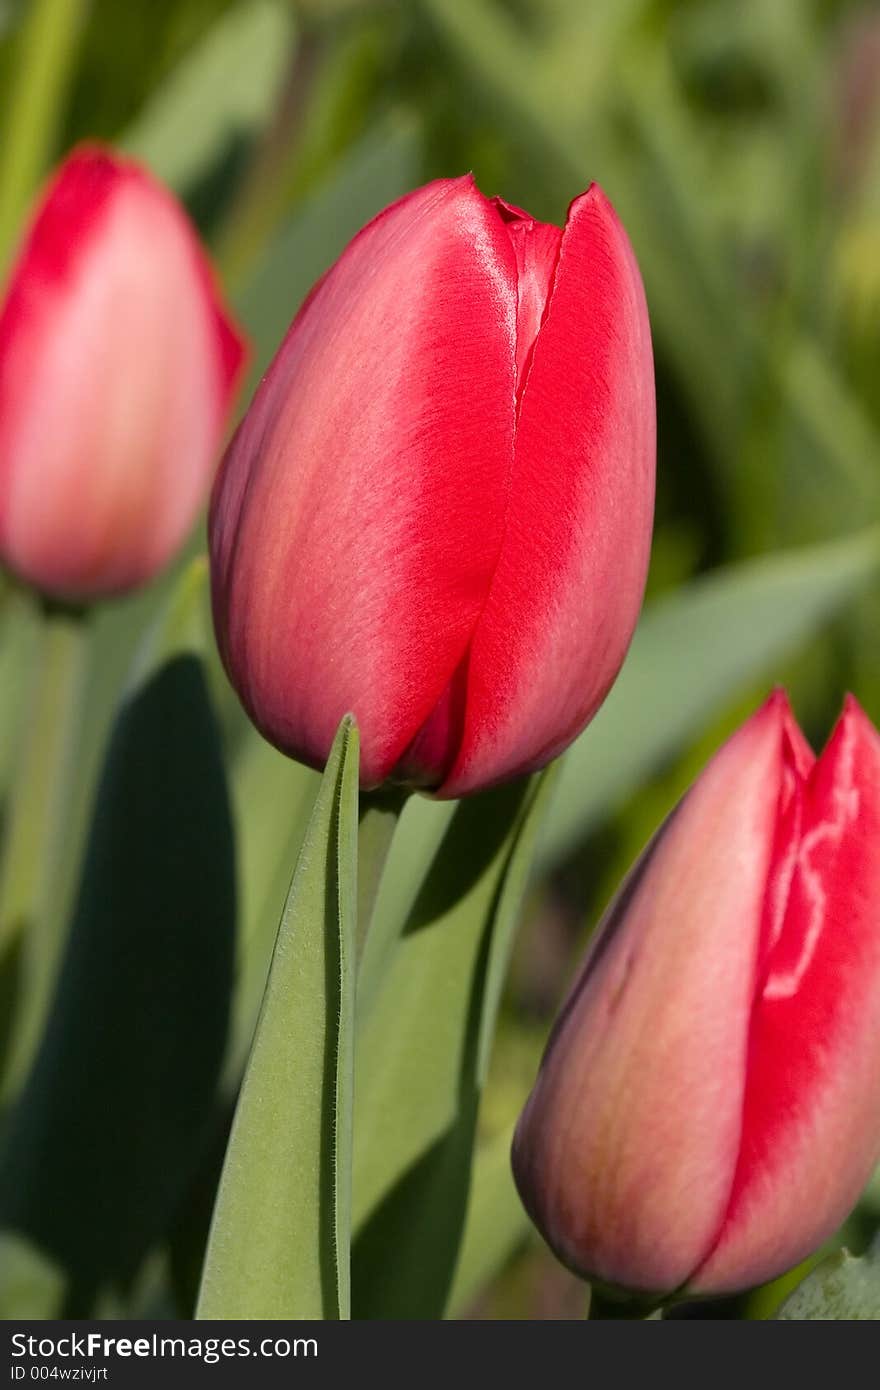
358,515
567,589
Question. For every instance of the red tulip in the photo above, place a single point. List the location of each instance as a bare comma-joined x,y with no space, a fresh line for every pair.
708,1108
437,511
117,369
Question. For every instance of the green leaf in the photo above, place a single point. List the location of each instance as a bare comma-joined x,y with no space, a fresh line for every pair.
217,96
841,1288
692,655
496,1222
262,779
119,1104
279,1243
423,1053
85,666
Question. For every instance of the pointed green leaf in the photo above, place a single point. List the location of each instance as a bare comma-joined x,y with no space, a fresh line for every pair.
279,1243
423,1052
841,1288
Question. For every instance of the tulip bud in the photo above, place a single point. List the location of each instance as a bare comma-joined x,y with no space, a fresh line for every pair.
707,1110
117,369
437,511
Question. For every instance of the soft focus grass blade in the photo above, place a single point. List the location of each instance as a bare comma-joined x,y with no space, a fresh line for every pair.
496,1222
116,1110
423,1054
33,100
279,1243
380,168
219,95
693,653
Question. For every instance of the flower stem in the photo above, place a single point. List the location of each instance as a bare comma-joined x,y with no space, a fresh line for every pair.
377,821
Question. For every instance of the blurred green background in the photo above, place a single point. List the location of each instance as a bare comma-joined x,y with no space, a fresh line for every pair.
741,145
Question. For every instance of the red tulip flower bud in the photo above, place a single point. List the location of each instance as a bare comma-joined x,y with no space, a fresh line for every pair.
117,369
708,1107
437,511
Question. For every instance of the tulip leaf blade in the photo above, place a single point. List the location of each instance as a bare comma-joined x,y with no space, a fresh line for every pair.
692,653
842,1288
279,1238
423,1053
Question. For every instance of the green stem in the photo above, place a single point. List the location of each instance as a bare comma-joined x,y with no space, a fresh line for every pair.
377,821
603,1308
39,78
35,824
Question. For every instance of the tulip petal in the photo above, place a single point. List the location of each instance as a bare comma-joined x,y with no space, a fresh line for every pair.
117,365
358,516
626,1150
811,1120
568,585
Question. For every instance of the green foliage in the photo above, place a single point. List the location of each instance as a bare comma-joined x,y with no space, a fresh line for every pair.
279,1243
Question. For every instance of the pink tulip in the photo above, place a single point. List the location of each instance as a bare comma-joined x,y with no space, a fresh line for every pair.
437,511
708,1108
117,370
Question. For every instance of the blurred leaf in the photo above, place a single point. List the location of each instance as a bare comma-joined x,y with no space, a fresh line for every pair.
262,779
219,94
496,1222
382,167
113,1117
30,1285
417,841
841,1288
692,654
423,1054
279,1243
